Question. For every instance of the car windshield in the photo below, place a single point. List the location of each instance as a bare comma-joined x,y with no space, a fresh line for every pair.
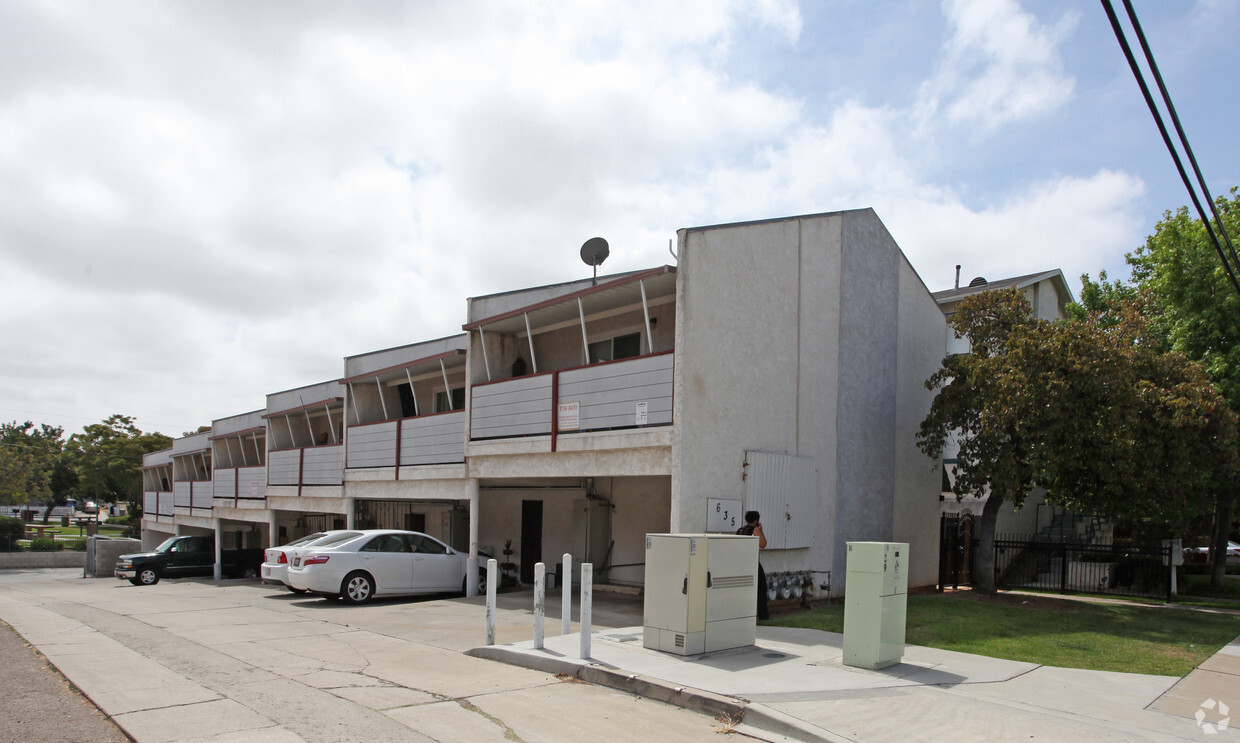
167,545
334,539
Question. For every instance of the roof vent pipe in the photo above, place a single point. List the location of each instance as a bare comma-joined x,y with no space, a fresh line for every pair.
957,275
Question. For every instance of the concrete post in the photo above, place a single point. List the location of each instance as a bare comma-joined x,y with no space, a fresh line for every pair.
219,557
273,530
471,576
540,602
587,600
349,511
566,587
492,580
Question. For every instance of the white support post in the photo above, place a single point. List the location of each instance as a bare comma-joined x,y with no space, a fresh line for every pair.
585,340
382,402
350,513
357,417
540,602
492,579
258,454
529,336
482,341
219,557
409,376
273,529
587,600
289,425
471,579
646,313
566,586
310,426
447,388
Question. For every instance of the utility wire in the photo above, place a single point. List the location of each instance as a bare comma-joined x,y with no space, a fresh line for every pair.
1179,129
1162,128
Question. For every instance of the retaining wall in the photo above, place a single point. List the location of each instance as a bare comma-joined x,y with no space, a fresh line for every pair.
29,560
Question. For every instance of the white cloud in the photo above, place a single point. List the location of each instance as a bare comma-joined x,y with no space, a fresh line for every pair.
206,203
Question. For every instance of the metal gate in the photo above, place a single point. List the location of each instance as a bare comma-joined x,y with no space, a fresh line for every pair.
1068,566
955,550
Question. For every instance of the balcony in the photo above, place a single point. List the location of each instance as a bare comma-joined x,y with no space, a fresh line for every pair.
630,393
240,483
316,465
424,440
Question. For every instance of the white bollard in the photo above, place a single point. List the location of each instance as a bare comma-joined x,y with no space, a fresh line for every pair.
540,602
566,585
587,598
492,569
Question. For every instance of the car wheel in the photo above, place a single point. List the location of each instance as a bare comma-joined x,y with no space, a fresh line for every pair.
297,590
249,573
357,588
147,577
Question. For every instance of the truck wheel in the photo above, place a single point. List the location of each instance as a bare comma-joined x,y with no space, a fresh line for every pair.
147,577
357,588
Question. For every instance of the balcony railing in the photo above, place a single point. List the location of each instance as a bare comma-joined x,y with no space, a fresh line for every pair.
240,483
427,439
315,465
192,494
614,395
157,503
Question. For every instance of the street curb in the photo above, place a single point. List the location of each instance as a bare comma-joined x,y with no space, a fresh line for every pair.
720,707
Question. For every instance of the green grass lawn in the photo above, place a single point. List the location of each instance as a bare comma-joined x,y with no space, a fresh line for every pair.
1132,638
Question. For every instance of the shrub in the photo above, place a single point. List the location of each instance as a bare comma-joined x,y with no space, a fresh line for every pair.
74,545
44,544
11,530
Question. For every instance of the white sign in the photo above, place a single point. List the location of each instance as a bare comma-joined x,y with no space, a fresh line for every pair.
723,515
643,413
568,416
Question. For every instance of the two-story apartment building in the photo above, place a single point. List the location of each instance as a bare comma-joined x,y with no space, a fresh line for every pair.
778,366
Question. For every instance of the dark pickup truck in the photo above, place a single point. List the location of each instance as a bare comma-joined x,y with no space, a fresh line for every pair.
180,557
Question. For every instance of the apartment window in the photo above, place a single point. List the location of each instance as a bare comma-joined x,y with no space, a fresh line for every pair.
458,400
619,347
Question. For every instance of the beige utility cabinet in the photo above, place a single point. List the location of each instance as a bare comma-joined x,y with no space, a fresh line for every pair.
701,592
875,601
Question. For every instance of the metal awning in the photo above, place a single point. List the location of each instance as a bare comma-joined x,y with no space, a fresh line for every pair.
622,292
416,366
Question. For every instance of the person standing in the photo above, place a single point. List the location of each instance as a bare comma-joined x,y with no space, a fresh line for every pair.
753,528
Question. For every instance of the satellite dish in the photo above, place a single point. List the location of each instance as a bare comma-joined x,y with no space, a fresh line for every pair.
593,252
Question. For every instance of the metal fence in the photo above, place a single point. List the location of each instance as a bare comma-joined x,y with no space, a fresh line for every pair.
1067,566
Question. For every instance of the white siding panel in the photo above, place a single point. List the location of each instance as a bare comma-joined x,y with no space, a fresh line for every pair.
608,394
252,482
373,445
783,488
202,492
324,465
438,439
283,466
180,494
224,482
516,407
149,504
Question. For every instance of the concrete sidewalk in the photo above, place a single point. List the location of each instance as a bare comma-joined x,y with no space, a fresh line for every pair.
793,685
236,661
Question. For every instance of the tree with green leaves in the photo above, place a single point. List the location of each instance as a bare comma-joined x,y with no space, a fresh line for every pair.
1191,308
28,457
107,457
1090,411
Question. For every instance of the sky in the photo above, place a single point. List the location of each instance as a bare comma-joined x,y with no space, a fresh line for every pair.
205,202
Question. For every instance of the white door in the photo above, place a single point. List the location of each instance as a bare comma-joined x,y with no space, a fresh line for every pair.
389,559
435,567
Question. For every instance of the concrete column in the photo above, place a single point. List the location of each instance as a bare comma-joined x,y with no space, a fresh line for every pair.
350,511
471,569
218,524
273,530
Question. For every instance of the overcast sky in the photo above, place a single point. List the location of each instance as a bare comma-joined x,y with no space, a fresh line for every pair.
203,202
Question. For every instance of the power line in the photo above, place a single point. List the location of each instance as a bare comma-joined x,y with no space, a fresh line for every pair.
1162,128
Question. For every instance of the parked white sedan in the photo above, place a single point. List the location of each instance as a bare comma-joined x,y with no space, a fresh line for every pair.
377,562
276,559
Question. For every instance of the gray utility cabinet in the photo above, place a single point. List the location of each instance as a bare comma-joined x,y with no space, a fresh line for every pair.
701,592
875,601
